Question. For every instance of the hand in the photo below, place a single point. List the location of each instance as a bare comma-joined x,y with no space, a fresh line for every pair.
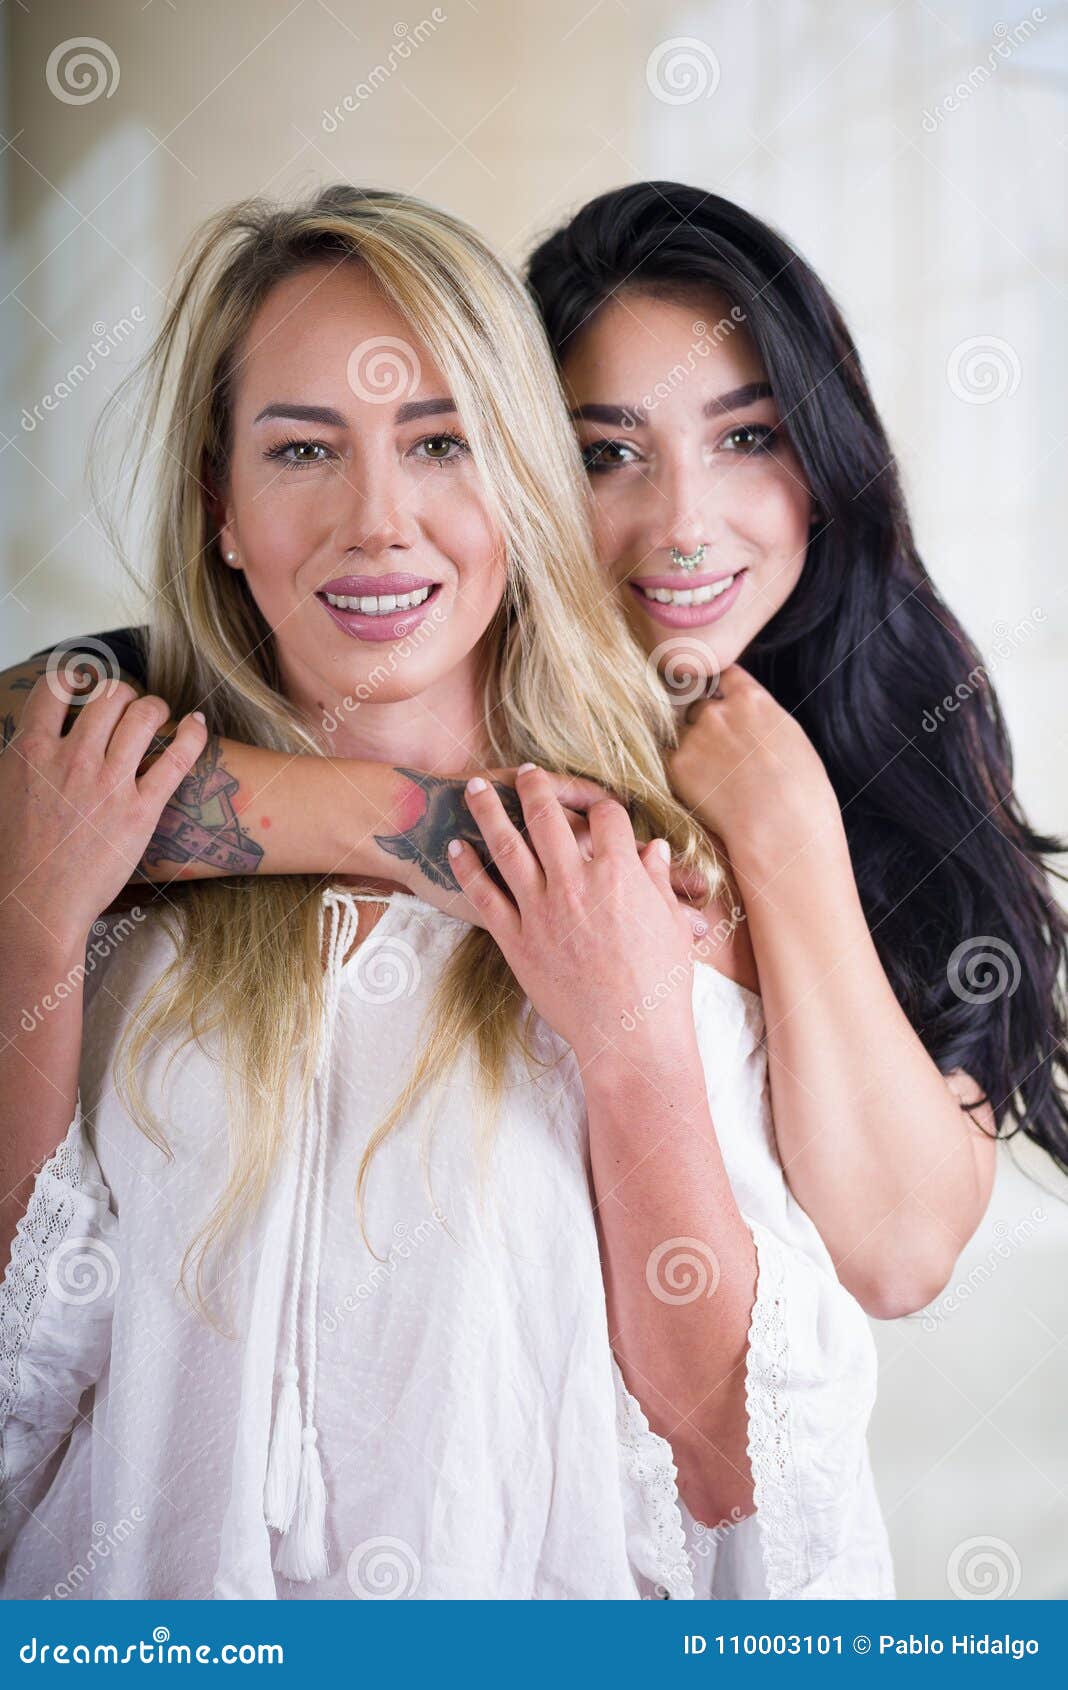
748,771
75,819
587,940
441,813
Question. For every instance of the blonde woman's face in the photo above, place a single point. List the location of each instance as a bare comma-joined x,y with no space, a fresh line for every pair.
683,449
353,503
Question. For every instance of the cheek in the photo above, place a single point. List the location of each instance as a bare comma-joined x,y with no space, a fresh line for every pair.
459,526
279,524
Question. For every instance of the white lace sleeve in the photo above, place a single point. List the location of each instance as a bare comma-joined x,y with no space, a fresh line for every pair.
656,1540
56,1302
810,1387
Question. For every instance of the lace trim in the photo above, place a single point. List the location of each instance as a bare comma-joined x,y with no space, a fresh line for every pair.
650,1464
780,1516
40,1230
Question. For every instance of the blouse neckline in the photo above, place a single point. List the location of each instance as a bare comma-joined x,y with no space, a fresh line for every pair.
404,900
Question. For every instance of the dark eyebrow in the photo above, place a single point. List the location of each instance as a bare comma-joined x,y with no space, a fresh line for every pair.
622,416
424,408
738,398
330,418
302,413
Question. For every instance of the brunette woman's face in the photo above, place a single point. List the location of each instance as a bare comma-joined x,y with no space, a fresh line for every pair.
684,449
353,503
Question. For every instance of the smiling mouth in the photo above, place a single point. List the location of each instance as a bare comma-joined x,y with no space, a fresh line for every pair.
380,604
687,595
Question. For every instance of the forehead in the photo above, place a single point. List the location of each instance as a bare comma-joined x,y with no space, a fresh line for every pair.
314,324
637,338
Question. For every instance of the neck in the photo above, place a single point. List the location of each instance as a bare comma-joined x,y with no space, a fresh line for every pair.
441,730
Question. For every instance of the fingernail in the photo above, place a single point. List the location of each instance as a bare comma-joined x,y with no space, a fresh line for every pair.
198,715
524,768
455,847
476,784
664,849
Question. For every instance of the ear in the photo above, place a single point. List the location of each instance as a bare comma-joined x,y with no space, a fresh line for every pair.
222,519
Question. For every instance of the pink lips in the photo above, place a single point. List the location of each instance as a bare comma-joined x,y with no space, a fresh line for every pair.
370,586
393,625
681,579
687,615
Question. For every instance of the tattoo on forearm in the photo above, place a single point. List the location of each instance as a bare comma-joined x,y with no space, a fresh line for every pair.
200,823
444,815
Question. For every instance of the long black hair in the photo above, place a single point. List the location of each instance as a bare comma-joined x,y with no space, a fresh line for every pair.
864,653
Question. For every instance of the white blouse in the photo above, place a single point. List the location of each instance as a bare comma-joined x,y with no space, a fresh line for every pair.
448,1416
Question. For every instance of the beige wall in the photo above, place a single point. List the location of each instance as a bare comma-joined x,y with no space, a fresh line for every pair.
935,231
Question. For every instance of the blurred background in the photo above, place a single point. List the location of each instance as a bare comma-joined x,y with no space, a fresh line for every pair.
917,153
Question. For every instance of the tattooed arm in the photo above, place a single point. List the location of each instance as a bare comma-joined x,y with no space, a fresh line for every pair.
246,810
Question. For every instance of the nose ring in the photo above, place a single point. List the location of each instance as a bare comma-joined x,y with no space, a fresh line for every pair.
687,560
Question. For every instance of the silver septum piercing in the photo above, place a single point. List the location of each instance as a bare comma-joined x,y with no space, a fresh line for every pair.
687,560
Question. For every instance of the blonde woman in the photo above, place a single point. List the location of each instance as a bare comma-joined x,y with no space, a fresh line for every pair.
499,1290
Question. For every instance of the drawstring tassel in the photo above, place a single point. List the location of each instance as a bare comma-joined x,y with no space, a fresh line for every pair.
283,1466
302,1550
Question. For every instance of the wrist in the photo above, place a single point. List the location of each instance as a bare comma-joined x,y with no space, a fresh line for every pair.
373,796
40,944
789,840
646,1057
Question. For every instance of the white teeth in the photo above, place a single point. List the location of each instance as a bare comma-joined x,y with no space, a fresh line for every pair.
687,595
382,604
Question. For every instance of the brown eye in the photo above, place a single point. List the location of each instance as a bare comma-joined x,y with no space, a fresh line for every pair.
748,439
442,448
606,454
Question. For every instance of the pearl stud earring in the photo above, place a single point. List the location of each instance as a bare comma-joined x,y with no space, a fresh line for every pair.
231,557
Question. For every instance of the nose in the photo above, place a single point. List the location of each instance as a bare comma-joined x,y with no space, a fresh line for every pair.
679,509
375,519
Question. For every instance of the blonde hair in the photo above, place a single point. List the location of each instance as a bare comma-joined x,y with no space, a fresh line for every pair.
565,685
